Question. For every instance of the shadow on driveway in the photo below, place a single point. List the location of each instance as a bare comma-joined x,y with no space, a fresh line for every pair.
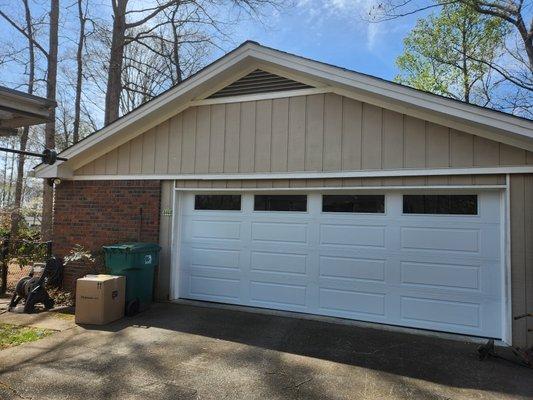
188,352
442,361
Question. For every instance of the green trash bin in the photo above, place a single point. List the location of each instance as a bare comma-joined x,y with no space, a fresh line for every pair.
136,261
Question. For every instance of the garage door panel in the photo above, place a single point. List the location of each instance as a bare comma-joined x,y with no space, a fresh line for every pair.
352,235
279,262
279,232
278,293
441,275
440,311
217,258
352,301
354,285
440,239
209,229
352,268
215,272
222,288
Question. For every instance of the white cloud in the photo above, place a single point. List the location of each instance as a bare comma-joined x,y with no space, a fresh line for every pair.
351,12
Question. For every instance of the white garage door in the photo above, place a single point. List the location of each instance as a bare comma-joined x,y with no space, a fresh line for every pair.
427,261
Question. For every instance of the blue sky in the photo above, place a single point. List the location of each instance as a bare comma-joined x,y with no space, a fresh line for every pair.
333,31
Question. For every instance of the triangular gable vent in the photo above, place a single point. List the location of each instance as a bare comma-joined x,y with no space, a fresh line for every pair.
259,82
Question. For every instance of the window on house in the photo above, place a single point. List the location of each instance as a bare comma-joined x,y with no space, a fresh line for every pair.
280,202
217,202
440,204
353,203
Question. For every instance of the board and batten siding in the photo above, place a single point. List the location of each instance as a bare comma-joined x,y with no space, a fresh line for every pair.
323,132
521,231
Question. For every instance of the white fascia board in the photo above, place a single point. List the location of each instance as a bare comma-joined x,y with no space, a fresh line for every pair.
319,175
53,171
262,96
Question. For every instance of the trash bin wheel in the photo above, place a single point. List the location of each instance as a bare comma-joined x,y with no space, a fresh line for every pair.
132,308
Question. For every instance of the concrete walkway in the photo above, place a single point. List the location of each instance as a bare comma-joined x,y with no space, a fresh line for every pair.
188,352
58,319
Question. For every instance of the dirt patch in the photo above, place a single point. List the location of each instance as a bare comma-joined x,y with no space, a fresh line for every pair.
14,274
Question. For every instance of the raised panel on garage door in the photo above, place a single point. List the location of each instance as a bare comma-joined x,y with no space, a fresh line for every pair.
439,272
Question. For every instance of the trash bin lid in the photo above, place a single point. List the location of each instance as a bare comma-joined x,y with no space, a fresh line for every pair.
133,247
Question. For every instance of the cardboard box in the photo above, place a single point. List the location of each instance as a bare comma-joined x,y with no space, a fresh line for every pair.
100,299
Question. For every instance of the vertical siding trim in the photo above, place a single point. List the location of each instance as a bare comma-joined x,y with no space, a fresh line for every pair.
518,261
165,238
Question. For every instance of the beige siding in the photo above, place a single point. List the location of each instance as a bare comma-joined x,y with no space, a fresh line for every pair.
522,257
323,132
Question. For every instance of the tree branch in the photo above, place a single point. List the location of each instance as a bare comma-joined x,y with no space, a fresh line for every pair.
21,30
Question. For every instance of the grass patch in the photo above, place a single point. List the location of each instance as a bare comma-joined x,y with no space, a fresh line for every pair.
13,335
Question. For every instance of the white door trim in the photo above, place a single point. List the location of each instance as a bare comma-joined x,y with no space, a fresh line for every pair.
507,312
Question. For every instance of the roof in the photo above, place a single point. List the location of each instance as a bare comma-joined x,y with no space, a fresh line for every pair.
484,122
19,109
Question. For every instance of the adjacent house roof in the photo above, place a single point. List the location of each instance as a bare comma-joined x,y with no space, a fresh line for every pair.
19,109
281,74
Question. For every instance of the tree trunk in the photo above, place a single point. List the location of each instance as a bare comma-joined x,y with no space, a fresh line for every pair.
464,55
17,203
11,173
4,181
176,50
19,185
79,73
50,129
527,37
114,76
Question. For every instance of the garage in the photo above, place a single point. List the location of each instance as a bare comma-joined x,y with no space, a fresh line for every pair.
274,181
424,260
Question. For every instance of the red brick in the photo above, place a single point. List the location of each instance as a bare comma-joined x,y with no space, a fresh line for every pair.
98,213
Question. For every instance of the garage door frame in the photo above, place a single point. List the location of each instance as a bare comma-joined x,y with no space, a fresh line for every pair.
504,223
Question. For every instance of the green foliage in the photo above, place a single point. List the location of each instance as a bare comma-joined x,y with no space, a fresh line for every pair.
450,53
27,247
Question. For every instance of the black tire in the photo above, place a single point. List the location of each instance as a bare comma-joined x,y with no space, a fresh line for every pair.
19,288
29,305
132,308
49,303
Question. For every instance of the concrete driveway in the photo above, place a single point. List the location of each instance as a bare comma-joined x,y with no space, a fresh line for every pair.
188,352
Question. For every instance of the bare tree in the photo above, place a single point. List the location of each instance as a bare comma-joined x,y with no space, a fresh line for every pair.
82,18
15,216
124,22
50,128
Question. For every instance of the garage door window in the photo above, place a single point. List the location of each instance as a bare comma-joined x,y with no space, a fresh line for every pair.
440,204
217,202
353,203
280,203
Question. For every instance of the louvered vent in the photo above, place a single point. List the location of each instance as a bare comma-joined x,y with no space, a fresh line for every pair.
259,82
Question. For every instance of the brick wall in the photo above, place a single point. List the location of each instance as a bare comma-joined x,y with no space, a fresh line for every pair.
98,213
